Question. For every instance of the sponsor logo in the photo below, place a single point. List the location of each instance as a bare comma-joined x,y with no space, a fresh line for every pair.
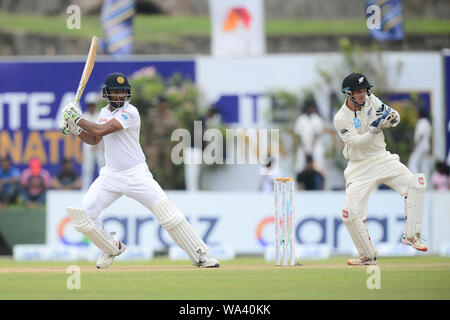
63,235
319,230
421,180
344,131
124,114
356,122
345,213
234,16
260,228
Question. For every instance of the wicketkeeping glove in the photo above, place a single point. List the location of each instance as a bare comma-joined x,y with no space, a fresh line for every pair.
392,120
380,123
381,110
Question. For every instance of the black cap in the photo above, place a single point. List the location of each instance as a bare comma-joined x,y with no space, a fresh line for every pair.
116,80
355,81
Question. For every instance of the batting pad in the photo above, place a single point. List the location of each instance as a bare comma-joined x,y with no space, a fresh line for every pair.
358,232
414,205
181,231
84,224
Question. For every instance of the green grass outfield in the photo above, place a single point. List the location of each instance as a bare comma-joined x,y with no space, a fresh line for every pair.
167,28
421,277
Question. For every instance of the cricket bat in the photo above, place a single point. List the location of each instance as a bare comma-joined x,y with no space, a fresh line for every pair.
87,70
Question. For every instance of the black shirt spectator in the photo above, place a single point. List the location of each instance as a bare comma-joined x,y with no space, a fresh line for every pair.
310,178
67,179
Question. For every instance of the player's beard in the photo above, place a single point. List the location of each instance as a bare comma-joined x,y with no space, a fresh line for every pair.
117,103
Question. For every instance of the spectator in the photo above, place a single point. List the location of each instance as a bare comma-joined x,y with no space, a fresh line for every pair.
9,182
93,155
418,160
440,178
161,121
193,156
310,178
67,179
268,173
34,181
309,127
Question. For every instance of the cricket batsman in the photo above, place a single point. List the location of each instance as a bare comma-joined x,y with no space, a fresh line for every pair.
360,123
125,173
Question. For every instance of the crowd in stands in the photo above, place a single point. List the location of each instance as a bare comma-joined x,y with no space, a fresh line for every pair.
29,186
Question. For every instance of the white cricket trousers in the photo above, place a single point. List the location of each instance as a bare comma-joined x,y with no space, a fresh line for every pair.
136,183
362,177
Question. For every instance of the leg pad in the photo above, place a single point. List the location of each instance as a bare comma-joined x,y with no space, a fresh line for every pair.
358,232
84,224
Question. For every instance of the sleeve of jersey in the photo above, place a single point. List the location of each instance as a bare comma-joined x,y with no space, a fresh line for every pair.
379,103
347,132
128,118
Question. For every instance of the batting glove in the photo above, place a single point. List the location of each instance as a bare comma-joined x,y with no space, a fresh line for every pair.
71,113
69,128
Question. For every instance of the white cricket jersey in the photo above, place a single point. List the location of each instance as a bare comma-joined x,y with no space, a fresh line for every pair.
360,144
122,148
308,128
422,134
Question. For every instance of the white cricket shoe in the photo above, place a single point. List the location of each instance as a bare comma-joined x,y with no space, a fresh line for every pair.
361,261
106,259
206,261
414,242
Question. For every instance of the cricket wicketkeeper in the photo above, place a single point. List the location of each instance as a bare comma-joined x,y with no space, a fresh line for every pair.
360,123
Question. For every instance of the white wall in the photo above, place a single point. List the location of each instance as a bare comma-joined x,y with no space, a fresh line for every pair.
243,220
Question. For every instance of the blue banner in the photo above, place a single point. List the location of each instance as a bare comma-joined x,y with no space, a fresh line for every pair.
32,94
447,103
388,18
117,23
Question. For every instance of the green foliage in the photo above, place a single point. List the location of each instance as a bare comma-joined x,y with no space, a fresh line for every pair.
181,93
401,139
285,107
369,61
169,29
182,96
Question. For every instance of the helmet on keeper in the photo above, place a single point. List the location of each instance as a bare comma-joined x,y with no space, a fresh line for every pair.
355,83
